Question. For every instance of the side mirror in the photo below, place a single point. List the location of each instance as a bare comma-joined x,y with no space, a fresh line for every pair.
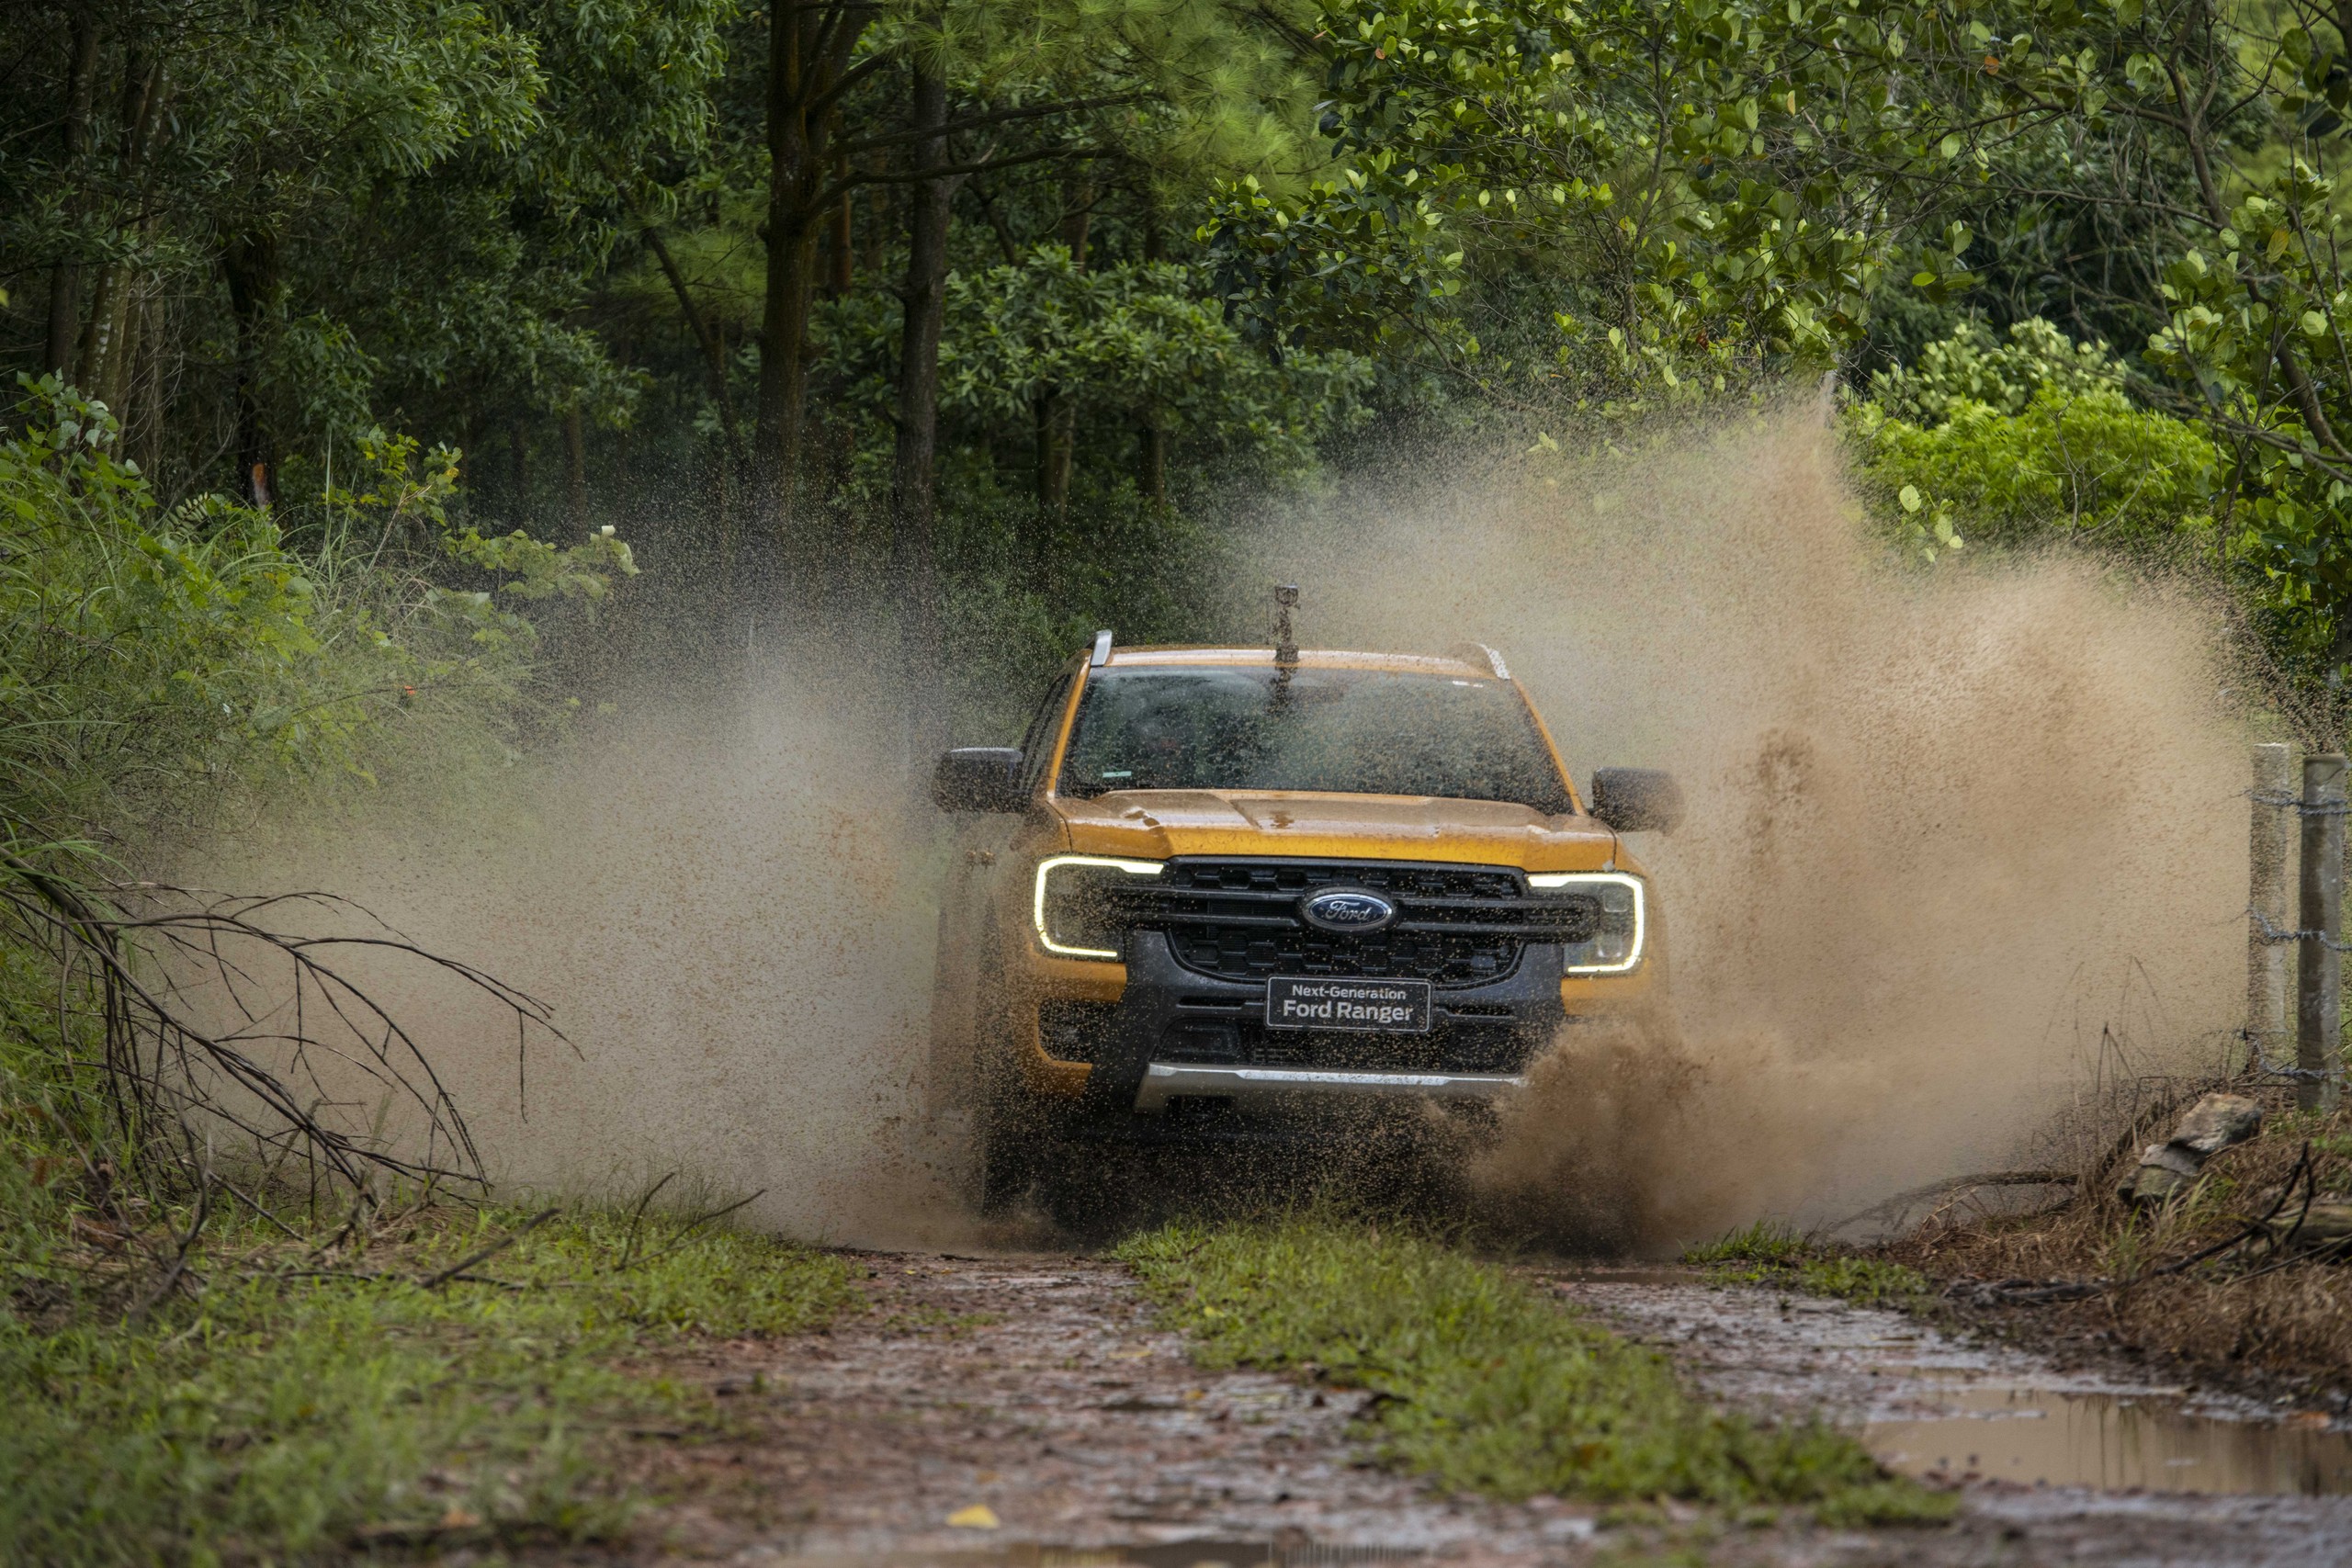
1635,800
978,778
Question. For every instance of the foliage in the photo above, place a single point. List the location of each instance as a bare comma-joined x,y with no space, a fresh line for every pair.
1487,1386
156,660
1973,365
2083,466
1127,342
2259,326
1687,177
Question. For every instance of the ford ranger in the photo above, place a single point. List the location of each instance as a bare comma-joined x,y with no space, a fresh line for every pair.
1242,893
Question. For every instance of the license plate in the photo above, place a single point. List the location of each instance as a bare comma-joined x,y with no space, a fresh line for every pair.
1378,1007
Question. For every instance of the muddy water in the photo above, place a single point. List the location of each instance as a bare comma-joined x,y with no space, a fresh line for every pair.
1945,1409
1206,1553
2116,1442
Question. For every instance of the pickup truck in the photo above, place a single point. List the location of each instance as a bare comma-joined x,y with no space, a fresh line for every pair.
1235,893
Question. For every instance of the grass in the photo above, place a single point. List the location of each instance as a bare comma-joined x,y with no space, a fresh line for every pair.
279,1418
1486,1385
1773,1255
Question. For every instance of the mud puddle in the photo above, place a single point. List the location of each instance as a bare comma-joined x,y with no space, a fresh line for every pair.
2116,1442
1299,1553
2031,1440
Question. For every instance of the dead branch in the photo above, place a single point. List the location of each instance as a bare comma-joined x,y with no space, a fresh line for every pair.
217,1011
1954,1184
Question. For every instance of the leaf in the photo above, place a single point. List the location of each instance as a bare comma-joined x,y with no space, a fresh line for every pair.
1910,498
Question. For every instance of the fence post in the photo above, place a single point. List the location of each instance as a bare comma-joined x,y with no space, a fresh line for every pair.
2319,986
2269,846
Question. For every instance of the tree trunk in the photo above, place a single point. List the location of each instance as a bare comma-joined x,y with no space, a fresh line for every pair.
250,262
65,277
101,355
913,496
90,359
707,334
144,440
1057,415
129,310
1151,477
575,469
1055,418
808,48
841,255
518,469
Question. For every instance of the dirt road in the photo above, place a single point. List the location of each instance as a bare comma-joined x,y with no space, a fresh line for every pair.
1034,1392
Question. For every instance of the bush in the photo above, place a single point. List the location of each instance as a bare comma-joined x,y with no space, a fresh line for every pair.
2086,464
156,662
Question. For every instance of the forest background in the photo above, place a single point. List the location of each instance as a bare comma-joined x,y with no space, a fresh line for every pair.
1000,318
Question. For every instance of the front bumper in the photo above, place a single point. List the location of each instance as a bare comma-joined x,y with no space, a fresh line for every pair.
1177,1039
1283,1087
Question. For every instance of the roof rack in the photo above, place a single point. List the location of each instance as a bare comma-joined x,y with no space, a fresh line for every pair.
1102,654
1479,653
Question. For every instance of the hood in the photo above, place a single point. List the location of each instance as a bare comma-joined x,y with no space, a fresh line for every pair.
1159,823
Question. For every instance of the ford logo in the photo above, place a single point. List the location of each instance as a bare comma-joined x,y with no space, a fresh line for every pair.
1347,909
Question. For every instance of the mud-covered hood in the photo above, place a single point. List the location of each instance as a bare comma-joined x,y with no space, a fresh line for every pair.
1160,824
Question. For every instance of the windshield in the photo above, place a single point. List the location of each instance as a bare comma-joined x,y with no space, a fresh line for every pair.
1344,731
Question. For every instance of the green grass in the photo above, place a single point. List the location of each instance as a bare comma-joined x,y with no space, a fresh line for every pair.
1486,1384
1774,1255
1765,1242
274,1419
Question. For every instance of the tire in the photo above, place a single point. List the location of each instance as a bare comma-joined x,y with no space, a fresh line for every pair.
1008,1150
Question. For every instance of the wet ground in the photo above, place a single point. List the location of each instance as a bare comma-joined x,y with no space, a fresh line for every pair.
1025,1411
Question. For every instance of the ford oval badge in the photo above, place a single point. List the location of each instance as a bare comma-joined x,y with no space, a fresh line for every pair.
1347,909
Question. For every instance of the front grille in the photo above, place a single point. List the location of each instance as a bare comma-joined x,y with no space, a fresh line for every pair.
1461,1047
1456,925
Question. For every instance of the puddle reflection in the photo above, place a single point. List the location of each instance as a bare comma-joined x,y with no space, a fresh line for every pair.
1175,1554
2113,1442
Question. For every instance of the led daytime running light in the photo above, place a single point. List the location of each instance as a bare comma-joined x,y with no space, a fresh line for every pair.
1052,864
1553,881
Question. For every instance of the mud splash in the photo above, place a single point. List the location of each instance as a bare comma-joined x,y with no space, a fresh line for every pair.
725,900
1954,833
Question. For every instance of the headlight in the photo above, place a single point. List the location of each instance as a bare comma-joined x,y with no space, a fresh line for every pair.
1616,946
1075,906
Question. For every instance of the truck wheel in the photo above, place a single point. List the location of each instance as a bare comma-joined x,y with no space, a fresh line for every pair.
1008,1155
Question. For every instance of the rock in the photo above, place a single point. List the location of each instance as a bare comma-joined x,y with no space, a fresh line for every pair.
2212,1124
2164,1170
2215,1122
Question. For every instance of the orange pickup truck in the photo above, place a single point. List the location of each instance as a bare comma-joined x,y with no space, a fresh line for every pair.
1233,893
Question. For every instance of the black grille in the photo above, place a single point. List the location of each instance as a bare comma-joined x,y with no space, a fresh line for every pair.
1461,1046
1456,925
